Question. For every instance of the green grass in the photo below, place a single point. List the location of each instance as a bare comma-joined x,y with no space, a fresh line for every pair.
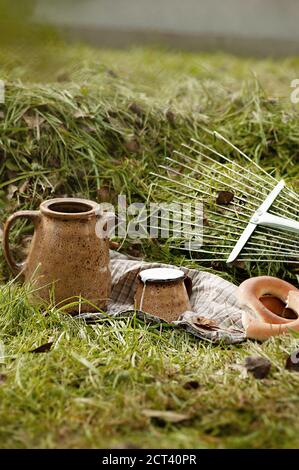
81,121
94,385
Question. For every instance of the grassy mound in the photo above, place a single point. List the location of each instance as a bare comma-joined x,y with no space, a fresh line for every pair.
78,121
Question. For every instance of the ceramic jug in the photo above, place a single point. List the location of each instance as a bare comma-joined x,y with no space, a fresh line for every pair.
67,259
163,292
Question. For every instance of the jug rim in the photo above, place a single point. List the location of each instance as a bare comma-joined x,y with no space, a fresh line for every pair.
69,208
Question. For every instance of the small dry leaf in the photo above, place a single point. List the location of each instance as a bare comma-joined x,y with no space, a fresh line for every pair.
89,129
105,194
3,378
258,366
12,189
114,245
191,385
135,249
166,416
239,264
136,109
43,348
79,114
33,122
135,253
292,362
171,116
63,77
224,197
133,146
205,323
112,73
23,187
217,265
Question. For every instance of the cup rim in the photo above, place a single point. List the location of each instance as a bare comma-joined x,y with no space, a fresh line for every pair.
152,280
91,208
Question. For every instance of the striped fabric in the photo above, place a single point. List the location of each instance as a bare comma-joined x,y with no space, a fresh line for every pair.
212,298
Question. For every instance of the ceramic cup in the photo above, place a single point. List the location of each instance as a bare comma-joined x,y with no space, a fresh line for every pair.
163,292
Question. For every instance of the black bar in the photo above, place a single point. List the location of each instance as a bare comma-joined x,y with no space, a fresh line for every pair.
143,458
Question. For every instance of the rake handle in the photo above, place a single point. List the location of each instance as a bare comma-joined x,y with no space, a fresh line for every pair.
270,220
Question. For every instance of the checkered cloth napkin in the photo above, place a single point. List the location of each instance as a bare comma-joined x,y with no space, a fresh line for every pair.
215,315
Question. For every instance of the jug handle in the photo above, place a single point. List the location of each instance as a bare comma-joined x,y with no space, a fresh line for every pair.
33,216
188,285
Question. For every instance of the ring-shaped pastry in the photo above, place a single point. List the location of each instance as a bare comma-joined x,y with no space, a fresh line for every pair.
265,323
250,292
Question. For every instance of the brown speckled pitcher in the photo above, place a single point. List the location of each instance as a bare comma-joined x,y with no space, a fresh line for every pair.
66,257
163,292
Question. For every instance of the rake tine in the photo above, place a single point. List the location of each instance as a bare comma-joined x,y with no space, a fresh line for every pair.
215,237
224,157
192,188
282,251
262,186
275,230
211,212
295,196
268,260
239,259
214,179
213,161
253,252
243,170
258,230
210,260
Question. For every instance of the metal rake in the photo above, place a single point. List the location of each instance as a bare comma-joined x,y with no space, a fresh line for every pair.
256,221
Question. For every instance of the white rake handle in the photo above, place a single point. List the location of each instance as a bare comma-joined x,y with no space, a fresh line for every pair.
270,220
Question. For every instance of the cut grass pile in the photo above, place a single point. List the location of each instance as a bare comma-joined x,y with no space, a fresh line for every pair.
92,123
